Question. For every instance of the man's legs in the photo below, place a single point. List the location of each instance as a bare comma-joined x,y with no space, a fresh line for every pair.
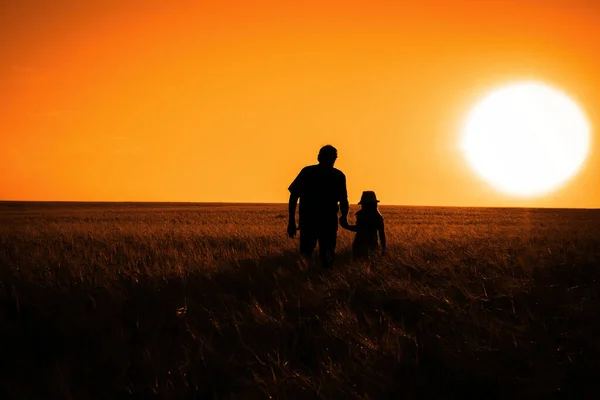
308,242
327,243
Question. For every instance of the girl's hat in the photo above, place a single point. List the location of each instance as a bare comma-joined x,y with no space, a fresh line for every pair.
368,197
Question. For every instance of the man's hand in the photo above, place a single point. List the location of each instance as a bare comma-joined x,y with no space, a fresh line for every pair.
291,229
344,222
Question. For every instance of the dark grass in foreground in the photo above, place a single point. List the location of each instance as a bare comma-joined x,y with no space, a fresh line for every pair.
199,301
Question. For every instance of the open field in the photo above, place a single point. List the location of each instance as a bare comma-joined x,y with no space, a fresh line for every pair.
210,301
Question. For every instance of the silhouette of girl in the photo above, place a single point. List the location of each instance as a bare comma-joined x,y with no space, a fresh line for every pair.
369,222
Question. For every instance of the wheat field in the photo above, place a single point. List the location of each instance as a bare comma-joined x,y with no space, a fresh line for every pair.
100,300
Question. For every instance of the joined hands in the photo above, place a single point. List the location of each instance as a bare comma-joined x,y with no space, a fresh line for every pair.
344,222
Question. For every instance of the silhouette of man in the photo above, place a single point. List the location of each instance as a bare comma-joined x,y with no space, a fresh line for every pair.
320,188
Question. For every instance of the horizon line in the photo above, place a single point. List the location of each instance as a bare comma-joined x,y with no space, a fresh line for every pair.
272,203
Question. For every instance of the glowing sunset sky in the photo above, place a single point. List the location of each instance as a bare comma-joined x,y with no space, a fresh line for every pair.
227,101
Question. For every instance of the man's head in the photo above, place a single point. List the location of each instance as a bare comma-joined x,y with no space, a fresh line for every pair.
327,155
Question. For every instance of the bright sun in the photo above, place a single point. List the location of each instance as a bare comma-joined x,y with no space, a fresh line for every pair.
526,139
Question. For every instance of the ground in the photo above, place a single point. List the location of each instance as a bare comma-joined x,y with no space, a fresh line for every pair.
211,301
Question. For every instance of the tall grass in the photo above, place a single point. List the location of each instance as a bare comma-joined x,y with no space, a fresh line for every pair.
202,301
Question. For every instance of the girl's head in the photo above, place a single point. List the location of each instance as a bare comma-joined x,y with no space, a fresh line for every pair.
368,200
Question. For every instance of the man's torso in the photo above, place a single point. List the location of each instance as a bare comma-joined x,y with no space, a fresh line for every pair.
320,189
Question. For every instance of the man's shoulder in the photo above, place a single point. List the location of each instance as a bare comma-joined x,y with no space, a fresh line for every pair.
339,173
310,168
317,170
307,172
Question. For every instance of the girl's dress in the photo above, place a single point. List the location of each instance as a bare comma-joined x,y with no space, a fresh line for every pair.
368,224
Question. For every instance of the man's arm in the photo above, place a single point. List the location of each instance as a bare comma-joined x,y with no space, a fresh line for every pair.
295,190
382,235
344,205
291,229
293,202
292,207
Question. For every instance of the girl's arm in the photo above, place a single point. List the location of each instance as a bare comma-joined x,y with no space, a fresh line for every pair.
344,224
351,228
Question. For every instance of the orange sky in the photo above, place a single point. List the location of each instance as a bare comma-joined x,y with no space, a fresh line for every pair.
226,101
